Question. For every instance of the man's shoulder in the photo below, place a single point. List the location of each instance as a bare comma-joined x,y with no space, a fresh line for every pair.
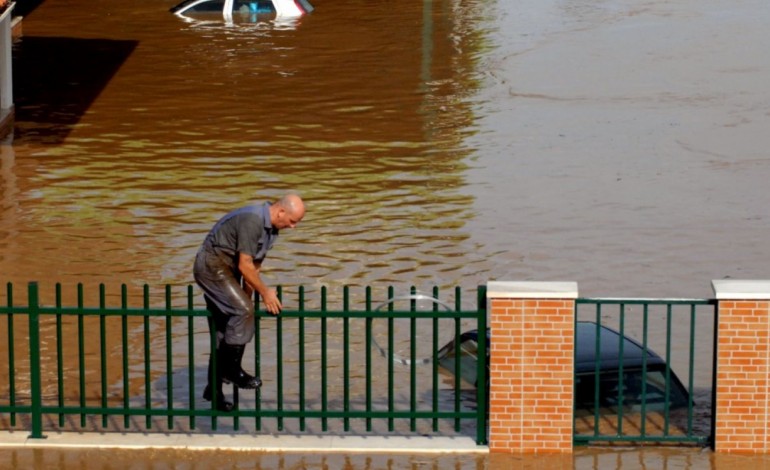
245,212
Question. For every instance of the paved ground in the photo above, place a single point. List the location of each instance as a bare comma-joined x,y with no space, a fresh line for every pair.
263,443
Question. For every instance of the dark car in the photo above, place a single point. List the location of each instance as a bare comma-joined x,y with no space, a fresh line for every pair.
636,384
243,10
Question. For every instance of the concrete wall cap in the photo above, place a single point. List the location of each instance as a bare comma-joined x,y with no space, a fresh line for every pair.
531,290
736,289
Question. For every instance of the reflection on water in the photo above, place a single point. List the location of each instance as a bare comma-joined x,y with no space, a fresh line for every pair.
121,166
365,118
584,459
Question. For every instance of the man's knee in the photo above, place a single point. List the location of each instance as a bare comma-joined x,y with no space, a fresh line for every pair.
240,330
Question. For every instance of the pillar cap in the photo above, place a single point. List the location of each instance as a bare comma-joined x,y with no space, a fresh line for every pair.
531,290
736,289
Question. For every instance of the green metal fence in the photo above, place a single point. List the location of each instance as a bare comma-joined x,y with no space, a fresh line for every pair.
144,367
650,367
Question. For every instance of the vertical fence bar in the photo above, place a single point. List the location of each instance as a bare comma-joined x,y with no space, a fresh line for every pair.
666,410
482,392
621,354
81,356
169,362
390,361
302,358
368,353
346,356
36,394
11,354
597,366
146,344
691,373
324,365
103,349
257,360
576,378
191,354
434,362
279,361
457,367
714,361
413,361
59,353
645,325
124,337
213,358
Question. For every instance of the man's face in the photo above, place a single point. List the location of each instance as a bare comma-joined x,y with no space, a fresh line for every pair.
288,219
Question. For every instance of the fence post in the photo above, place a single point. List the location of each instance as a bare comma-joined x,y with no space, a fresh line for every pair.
742,385
532,335
481,380
34,360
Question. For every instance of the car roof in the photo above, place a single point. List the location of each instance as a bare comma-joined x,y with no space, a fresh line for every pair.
585,354
609,349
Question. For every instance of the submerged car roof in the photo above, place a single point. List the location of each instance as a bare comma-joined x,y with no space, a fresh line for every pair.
609,349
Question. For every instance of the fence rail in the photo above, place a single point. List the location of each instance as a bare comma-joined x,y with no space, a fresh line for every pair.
89,366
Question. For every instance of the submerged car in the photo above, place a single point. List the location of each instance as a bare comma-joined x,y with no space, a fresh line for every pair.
636,388
246,10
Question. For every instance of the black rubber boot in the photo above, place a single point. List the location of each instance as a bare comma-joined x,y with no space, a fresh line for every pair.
230,356
208,392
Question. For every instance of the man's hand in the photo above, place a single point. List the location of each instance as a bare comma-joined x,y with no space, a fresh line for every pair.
272,304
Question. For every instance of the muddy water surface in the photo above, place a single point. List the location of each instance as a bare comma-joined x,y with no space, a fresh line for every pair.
584,459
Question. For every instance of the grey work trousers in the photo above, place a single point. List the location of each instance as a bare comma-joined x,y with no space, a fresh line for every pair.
231,309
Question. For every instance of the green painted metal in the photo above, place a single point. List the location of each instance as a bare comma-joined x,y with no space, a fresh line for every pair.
134,367
11,357
346,357
482,394
618,313
301,332
391,384
36,398
59,353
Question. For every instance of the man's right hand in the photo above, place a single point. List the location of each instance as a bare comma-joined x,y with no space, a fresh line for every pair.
272,304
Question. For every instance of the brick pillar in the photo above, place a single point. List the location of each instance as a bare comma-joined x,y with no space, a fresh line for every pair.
531,370
742,412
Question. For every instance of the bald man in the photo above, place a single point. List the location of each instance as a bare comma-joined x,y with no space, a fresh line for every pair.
232,252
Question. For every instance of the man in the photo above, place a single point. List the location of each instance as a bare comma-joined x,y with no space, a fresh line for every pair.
232,252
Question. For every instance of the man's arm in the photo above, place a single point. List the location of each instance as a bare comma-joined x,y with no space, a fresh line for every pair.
250,272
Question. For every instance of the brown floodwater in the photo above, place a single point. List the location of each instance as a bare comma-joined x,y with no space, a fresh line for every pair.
619,144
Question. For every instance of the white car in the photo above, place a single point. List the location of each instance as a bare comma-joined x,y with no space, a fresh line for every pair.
243,9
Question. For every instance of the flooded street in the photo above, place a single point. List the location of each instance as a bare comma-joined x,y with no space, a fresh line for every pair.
616,143
627,142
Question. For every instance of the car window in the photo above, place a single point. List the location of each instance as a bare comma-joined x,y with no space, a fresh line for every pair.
207,6
252,6
631,390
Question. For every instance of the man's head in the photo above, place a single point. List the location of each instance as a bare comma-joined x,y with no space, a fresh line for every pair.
287,212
